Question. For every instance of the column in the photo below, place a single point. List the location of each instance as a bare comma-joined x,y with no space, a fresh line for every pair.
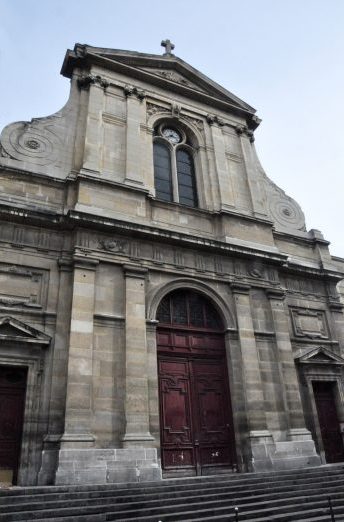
133,173
136,377
78,419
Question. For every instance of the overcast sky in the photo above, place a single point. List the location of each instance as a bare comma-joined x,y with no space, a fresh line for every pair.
283,57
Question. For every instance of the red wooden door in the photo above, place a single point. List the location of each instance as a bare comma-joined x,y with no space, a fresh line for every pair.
12,400
196,425
328,421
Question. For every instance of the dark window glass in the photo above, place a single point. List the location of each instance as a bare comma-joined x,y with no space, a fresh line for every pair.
186,178
162,172
179,309
196,304
188,309
164,311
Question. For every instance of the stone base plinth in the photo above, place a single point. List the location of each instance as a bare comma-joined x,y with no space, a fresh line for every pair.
101,466
297,452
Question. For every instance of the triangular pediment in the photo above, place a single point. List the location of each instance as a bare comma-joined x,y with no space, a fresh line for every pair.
165,70
320,355
13,330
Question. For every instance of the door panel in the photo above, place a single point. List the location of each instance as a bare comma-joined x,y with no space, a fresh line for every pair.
328,421
175,414
12,399
196,427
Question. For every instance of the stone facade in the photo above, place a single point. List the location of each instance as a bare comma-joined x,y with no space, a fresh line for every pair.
89,251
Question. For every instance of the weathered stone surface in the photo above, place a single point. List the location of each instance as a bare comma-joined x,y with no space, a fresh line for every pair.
88,251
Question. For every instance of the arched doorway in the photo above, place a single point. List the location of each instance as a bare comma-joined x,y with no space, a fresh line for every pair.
196,425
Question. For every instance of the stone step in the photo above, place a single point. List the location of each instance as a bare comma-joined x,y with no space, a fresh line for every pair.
247,511
284,496
22,495
211,479
181,509
233,493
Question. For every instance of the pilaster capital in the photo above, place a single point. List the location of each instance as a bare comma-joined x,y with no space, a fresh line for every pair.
135,271
85,263
65,264
240,288
131,90
275,293
335,306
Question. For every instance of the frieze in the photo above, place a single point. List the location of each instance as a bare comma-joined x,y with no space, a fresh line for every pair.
303,286
114,245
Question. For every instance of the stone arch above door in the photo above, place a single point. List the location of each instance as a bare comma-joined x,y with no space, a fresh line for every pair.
156,294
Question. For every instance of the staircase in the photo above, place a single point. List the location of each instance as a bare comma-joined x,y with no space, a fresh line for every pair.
300,495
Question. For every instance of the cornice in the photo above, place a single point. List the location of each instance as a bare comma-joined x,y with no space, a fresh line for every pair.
85,60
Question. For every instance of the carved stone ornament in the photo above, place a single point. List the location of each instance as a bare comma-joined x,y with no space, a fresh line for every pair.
114,245
212,119
35,142
175,109
154,109
85,81
130,90
244,130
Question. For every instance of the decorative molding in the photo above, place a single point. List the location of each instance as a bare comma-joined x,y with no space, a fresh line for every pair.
240,288
131,90
244,130
275,293
114,245
12,329
175,110
309,323
85,81
213,119
152,108
319,355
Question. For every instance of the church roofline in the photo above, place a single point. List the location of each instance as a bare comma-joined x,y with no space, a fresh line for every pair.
83,56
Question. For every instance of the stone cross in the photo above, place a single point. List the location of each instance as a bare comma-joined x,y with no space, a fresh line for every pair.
169,46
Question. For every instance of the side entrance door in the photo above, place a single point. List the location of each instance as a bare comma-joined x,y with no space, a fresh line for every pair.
12,401
328,421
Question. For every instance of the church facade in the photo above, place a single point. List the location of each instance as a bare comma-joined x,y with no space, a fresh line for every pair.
164,311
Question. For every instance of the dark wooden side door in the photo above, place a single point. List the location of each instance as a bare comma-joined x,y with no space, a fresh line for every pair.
12,401
328,421
196,425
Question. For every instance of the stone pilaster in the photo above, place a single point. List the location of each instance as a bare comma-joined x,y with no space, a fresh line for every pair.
94,127
251,171
133,173
136,378
78,419
288,377
59,375
259,438
221,165
298,450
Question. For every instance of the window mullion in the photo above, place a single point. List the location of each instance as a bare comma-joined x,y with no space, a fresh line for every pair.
174,175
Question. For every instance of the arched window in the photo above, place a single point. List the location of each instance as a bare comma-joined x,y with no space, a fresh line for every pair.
188,309
174,171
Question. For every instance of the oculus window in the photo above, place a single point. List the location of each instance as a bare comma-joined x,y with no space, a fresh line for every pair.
174,170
